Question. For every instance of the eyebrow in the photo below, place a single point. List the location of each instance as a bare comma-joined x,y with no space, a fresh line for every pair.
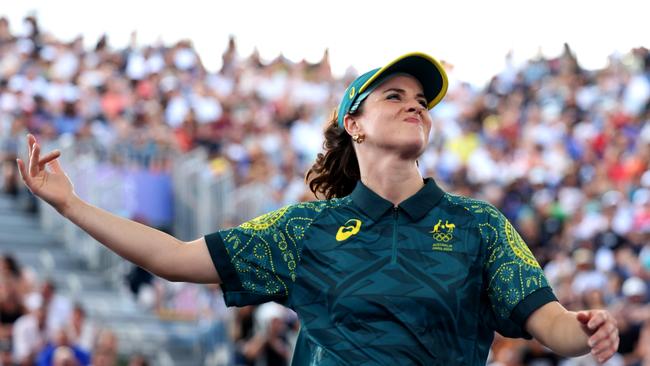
402,91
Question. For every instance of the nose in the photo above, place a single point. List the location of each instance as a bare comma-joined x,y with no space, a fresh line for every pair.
415,107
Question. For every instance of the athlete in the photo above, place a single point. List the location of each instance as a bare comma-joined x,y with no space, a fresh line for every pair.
387,267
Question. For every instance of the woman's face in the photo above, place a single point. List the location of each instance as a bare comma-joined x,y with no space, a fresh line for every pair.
395,117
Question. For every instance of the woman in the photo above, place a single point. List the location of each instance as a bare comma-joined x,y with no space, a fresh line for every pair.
388,268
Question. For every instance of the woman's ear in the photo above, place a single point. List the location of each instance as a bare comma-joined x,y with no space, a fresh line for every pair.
351,125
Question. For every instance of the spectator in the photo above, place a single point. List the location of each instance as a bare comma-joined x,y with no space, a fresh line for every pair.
64,356
580,138
138,360
272,325
58,349
246,346
105,351
58,306
632,312
30,332
11,307
80,331
586,278
12,272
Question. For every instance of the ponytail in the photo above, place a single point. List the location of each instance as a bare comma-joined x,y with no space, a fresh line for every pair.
335,172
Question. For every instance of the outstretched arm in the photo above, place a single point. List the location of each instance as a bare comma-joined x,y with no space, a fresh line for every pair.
571,333
158,252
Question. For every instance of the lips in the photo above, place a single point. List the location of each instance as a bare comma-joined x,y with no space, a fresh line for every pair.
412,119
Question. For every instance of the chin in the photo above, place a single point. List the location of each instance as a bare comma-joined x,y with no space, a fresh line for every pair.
407,145
413,148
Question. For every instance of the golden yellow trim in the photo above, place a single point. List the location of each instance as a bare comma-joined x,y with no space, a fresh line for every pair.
265,221
351,95
519,247
445,82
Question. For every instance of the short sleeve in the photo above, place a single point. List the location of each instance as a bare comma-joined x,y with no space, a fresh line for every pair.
516,285
257,261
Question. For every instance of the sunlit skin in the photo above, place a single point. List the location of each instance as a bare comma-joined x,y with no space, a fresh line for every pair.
395,123
394,119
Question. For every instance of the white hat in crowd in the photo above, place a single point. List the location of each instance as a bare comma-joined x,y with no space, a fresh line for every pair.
634,286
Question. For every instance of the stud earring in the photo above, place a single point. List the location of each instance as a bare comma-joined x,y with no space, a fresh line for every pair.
358,138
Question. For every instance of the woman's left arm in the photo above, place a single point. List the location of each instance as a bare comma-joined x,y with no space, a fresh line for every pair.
571,333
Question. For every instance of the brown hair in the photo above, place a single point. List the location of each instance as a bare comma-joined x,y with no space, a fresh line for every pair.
335,172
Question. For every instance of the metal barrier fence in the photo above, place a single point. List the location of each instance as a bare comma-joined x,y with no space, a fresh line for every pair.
199,199
202,198
186,198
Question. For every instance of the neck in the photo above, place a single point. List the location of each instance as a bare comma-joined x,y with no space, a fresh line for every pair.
392,178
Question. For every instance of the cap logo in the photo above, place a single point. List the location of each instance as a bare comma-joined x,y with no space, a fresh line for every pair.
352,90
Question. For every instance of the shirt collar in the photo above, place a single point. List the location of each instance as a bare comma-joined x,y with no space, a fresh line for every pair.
415,206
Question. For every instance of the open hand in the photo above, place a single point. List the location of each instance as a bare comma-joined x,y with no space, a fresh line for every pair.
601,327
44,176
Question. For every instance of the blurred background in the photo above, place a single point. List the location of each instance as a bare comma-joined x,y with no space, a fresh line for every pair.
194,126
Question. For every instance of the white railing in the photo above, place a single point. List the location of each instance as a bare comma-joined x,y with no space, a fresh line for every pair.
201,202
200,198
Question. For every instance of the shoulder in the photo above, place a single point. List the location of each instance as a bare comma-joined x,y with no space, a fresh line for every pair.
316,208
482,211
486,218
303,211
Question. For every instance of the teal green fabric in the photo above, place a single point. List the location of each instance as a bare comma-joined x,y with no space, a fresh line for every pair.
424,283
352,98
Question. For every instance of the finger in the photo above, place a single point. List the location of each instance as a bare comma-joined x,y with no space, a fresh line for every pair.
30,140
604,357
33,161
30,144
602,346
596,321
606,347
48,158
583,317
604,354
22,170
56,166
606,331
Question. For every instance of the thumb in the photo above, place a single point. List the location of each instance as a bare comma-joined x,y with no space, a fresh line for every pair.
583,317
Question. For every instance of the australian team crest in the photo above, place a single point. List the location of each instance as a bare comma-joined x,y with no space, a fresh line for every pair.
443,235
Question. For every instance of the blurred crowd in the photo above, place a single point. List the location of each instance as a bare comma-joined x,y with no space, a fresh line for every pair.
563,151
40,326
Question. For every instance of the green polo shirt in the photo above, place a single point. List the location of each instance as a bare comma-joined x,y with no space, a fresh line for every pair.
427,282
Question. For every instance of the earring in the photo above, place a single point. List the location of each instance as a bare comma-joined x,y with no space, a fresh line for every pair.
358,138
